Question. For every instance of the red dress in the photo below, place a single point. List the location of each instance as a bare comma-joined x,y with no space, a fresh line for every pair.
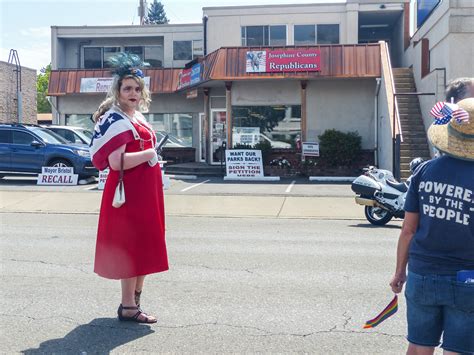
131,239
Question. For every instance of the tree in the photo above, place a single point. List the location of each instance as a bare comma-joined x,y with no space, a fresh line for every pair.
156,14
42,81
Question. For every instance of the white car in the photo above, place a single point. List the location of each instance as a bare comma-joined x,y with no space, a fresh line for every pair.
275,144
72,134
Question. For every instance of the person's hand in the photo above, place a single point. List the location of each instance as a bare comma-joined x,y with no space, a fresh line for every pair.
153,161
397,282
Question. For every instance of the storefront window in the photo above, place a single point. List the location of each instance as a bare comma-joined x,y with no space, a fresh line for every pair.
137,50
182,50
92,57
179,127
83,121
305,35
278,35
109,52
279,125
255,36
198,49
316,34
328,34
154,56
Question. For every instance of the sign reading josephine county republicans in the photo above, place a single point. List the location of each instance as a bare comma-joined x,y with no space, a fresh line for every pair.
283,61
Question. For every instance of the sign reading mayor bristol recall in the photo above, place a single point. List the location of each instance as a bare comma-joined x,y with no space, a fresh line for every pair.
283,61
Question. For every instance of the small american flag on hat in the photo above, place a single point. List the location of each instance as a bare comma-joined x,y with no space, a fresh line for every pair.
461,116
444,111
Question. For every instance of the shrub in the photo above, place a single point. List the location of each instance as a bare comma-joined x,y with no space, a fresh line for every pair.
338,148
266,148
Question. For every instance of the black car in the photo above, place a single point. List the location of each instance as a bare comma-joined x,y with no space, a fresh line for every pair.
27,148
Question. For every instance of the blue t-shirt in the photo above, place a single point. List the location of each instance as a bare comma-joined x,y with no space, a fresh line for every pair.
442,192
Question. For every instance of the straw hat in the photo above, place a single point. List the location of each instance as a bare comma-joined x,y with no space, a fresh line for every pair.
455,139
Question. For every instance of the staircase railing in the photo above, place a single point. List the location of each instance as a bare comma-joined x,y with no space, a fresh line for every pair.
397,134
399,141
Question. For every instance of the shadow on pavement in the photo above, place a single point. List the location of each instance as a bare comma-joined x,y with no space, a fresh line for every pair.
371,226
100,336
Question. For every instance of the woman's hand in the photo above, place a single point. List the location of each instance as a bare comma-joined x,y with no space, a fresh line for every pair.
130,160
397,282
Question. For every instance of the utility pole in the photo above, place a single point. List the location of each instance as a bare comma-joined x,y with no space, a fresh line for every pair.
142,11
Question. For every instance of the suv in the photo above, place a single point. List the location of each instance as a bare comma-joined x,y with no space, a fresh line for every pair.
72,134
27,148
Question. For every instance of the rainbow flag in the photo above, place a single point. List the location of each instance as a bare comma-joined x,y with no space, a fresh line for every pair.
389,311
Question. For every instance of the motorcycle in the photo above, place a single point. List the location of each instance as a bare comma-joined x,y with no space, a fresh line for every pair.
382,196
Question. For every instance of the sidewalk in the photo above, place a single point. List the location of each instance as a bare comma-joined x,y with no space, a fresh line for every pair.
190,205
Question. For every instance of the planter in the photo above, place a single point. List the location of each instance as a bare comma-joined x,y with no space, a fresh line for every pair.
279,171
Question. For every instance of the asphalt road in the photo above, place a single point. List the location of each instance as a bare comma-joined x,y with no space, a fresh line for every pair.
236,285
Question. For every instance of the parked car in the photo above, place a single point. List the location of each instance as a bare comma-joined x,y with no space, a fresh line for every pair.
72,134
27,148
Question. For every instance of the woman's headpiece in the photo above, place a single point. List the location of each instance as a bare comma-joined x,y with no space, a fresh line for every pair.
127,64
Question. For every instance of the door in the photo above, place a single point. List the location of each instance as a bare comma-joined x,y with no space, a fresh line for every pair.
202,138
5,151
218,136
24,156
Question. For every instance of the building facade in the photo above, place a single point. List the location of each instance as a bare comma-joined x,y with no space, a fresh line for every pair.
9,88
210,88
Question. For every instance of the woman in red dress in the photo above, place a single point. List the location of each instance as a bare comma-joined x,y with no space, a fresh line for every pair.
131,238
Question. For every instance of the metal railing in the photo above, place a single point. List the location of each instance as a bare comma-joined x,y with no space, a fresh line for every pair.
398,136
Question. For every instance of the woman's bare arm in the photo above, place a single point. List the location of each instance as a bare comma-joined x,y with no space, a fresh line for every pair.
130,160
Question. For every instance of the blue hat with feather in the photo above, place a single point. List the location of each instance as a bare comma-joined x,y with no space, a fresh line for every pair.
127,64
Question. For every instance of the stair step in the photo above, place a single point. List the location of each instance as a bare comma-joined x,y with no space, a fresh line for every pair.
407,110
414,140
408,159
406,132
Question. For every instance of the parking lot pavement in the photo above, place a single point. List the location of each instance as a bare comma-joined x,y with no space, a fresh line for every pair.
200,197
205,186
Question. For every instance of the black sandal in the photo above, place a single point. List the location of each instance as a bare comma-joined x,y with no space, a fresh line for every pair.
135,317
137,298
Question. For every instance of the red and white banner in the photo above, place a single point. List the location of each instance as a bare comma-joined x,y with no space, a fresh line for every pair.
283,61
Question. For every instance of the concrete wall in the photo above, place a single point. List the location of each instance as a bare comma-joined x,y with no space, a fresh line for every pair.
344,105
224,23
67,42
384,127
8,94
450,31
272,92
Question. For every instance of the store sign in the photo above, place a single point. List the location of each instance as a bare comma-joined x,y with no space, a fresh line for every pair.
190,76
283,61
310,149
103,84
192,94
57,176
243,163
103,174
246,135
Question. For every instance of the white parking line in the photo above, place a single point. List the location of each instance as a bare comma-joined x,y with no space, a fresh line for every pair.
288,189
193,186
91,187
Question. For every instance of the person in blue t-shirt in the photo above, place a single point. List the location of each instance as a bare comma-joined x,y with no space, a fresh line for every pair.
437,240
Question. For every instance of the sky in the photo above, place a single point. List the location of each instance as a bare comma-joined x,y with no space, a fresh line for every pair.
26,24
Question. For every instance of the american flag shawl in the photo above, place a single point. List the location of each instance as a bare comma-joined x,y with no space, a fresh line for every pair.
113,130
